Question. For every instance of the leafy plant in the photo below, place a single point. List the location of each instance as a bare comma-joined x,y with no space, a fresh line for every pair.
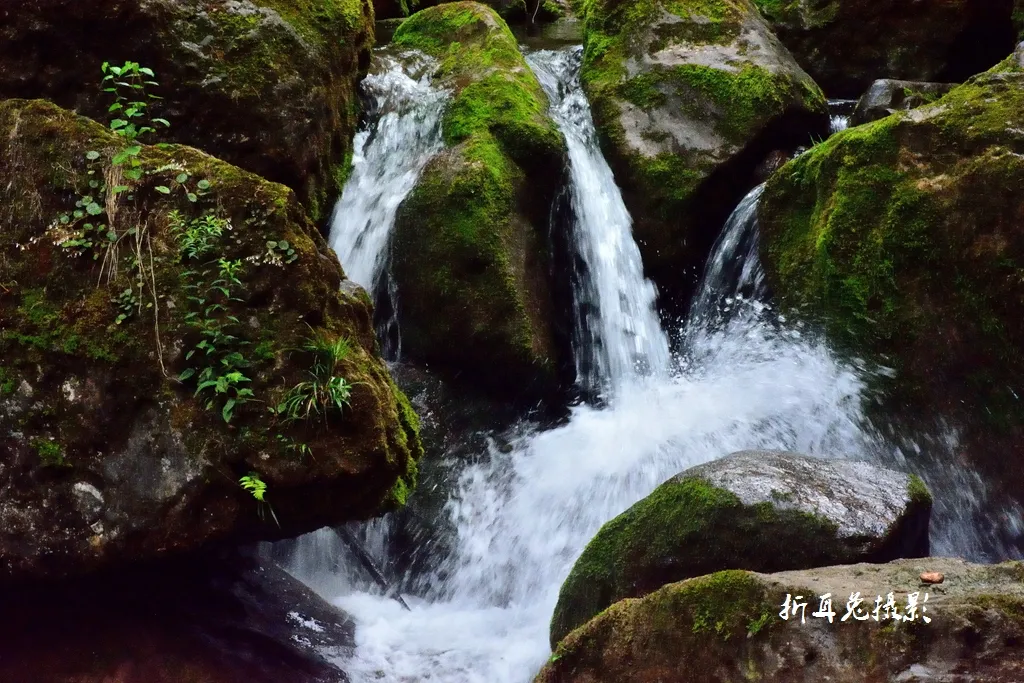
127,303
257,488
326,390
131,109
291,446
281,250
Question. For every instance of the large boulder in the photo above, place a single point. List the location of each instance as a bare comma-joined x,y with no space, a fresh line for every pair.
726,628
847,44
886,96
221,617
904,239
511,10
688,98
202,332
268,85
757,510
470,252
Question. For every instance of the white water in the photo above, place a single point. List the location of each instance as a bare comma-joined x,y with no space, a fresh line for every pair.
523,515
614,302
388,157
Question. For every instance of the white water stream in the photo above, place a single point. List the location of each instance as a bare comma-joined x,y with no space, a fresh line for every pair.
522,515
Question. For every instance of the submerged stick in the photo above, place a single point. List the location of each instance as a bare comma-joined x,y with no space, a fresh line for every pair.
357,549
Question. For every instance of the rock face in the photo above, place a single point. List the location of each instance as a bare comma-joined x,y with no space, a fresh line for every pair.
148,364
268,85
512,10
217,618
688,98
886,97
905,239
470,255
725,628
847,44
757,510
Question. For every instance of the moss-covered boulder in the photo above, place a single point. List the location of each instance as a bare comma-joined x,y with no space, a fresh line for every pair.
171,329
758,510
268,85
904,239
689,96
847,44
726,628
470,251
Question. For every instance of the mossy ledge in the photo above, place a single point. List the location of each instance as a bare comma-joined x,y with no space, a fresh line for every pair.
267,85
105,450
471,252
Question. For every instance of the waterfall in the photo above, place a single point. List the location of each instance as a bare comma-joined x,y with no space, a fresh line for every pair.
733,272
839,112
521,515
617,332
403,133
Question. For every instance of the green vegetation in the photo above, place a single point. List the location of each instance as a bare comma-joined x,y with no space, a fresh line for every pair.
325,390
257,488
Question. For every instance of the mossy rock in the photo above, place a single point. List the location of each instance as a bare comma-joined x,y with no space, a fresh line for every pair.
847,44
757,510
904,240
267,85
470,252
689,96
726,628
510,10
109,457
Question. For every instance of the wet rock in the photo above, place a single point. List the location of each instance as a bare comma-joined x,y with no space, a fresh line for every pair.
886,97
758,510
470,253
902,238
847,44
725,628
112,450
268,85
217,618
688,98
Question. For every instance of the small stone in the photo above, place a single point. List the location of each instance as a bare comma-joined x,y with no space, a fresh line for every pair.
932,577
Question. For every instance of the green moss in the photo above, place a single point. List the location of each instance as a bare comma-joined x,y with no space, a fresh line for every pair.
688,528
898,233
7,382
918,492
50,452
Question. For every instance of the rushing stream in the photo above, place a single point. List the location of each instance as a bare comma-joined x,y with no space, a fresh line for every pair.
741,378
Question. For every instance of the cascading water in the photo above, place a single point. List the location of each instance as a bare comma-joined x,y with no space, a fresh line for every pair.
389,154
840,112
521,516
615,312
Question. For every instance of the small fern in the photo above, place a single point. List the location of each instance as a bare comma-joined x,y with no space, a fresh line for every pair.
257,488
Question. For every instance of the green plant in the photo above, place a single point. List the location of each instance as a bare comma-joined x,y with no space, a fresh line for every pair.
292,447
127,303
326,389
128,85
281,251
257,488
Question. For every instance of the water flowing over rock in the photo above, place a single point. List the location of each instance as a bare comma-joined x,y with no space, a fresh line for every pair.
617,331
886,97
403,134
267,85
904,238
114,450
847,44
689,98
471,256
757,510
725,628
